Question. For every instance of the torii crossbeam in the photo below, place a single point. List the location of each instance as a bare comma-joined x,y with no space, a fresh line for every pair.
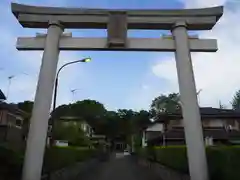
117,22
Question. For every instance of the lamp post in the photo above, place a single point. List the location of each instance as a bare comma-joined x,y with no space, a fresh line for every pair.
56,85
73,93
10,82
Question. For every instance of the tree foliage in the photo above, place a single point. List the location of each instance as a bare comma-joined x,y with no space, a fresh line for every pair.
123,122
236,101
26,106
166,103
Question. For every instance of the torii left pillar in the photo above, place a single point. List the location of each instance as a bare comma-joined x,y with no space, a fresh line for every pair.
36,141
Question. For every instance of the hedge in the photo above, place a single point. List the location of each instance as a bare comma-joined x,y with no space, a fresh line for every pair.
59,157
55,158
10,163
223,162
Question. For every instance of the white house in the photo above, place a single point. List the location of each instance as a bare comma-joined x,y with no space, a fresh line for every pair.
219,126
155,129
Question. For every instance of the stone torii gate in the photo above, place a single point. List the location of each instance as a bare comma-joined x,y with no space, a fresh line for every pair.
117,22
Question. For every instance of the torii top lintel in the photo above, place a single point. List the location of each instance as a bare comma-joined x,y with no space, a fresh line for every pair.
39,17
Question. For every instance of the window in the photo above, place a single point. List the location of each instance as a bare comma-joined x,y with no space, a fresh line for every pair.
18,122
13,120
209,141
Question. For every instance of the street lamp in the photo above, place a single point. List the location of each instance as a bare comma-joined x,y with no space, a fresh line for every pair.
56,83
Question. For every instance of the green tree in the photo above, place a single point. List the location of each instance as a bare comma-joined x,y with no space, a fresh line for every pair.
26,106
109,124
125,117
85,109
236,101
123,122
90,110
141,120
166,103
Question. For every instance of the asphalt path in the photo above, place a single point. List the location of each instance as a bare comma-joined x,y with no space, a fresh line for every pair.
120,167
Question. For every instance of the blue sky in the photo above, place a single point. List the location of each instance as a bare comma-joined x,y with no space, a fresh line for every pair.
117,79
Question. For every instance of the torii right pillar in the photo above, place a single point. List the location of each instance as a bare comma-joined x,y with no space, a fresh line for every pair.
179,21
190,109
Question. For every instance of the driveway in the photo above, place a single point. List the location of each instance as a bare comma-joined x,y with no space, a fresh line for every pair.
120,167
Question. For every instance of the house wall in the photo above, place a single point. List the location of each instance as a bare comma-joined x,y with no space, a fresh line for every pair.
7,118
213,123
174,123
208,123
3,117
144,139
221,123
155,127
234,124
13,136
83,125
237,124
86,128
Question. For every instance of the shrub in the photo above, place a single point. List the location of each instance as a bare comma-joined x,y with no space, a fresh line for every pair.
10,163
55,158
174,157
223,161
59,157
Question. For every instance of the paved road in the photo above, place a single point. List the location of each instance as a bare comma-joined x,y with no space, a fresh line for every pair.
120,167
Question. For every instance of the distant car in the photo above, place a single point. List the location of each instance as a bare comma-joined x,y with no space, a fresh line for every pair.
126,152
61,143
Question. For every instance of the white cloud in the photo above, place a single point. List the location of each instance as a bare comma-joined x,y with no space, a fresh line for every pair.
202,3
217,74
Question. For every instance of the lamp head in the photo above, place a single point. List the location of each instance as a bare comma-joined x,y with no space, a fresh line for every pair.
86,60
